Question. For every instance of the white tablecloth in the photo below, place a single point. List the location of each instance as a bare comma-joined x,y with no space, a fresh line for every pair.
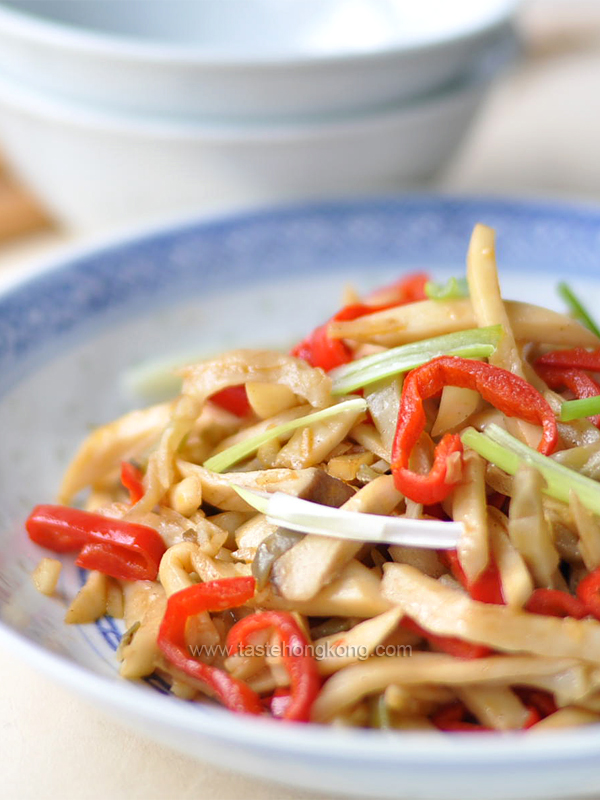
539,135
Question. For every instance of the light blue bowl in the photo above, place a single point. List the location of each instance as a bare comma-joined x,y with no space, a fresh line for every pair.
67,335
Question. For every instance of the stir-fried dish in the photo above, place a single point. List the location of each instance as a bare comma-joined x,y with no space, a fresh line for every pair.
396,525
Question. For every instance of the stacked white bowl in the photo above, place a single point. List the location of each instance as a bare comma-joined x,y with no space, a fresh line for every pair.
115,110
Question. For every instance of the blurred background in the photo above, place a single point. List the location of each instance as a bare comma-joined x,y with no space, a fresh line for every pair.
116,113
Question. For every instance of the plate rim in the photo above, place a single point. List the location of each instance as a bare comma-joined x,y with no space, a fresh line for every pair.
105,242
375,748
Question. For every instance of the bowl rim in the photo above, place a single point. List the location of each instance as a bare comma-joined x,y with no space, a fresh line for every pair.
28,26
565,747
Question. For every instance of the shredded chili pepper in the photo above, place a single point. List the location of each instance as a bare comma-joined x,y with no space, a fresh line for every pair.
357,310
409,289
433,487
297,659
436,511
540,703
486,588
588,591
554,603
233,399
321,350
577,381
454,716
447,644
123,550
454,711
533,718
497,500
216,595
576,358
132,479
507,392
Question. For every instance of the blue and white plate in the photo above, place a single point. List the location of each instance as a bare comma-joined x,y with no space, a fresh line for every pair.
70,332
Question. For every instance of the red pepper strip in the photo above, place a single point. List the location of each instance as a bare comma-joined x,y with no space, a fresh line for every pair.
454,717
296,656
497,500
131,478
321,350
123,550
436,511
575,380
554,603
588,591
536,699
409,289
454,711
533,718
357,310
218,595
447,644
362,310
431,488
577,358
487,588
507,392
233,399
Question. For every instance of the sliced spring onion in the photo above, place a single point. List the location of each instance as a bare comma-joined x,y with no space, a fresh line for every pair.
380,714
472,343
453,289
222,461
306,517
508,453
155,381
576,409
578,310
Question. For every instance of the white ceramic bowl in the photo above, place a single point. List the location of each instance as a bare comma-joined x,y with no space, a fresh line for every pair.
239,59
95,170
68,334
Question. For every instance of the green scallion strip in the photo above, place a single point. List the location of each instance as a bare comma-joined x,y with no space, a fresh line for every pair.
578,310
258,500
155,381
472,343
500,448
227,458
453,289
380,714
576,409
